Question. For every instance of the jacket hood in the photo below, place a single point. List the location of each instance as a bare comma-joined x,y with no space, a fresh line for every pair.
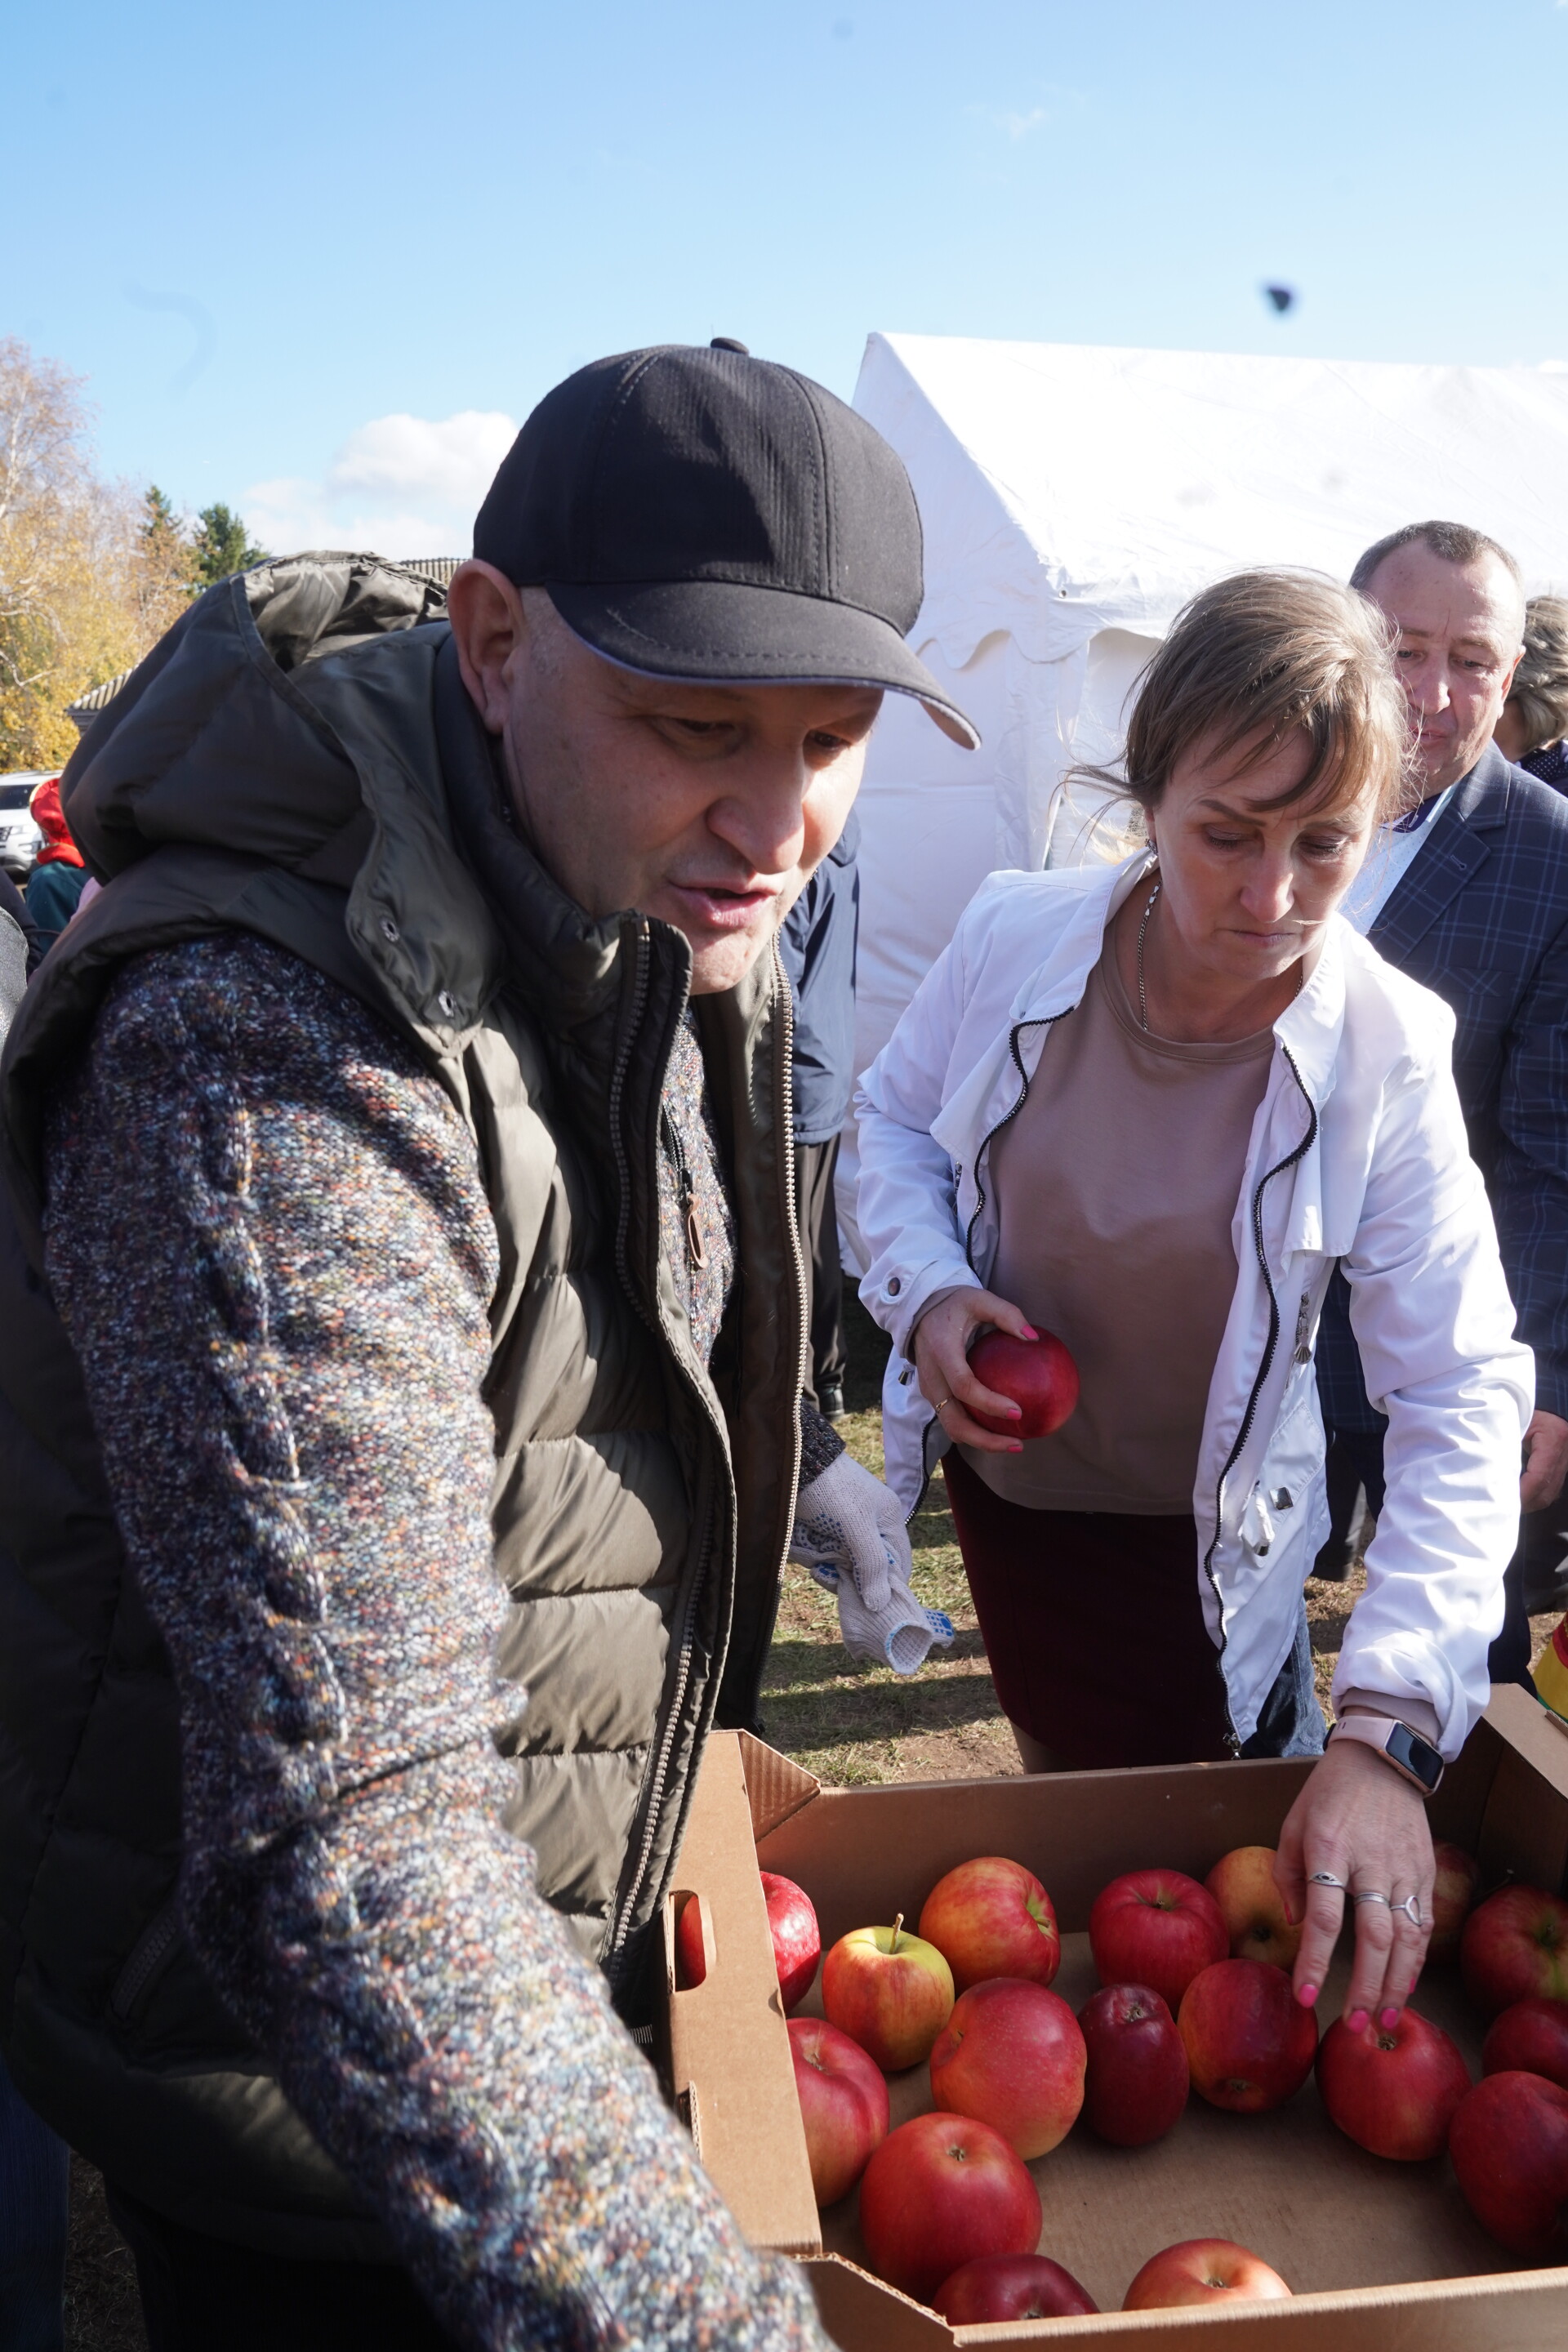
222,737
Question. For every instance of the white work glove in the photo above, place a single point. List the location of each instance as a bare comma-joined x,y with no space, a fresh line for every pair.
849,1532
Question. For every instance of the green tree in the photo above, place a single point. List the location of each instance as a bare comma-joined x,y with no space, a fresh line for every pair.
223,545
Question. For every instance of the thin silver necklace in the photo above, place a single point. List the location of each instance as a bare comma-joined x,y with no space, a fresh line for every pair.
1143,993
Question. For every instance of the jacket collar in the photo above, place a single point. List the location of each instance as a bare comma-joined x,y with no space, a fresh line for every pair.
1454,853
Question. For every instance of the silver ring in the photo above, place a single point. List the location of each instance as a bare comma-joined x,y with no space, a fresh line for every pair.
1376,1898
1412,1910
1326,1878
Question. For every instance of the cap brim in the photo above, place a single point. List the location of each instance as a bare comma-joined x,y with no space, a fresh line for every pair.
730,632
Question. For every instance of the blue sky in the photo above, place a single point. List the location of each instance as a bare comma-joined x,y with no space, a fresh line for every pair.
317,261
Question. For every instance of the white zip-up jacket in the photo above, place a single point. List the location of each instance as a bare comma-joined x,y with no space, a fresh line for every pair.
1357,1154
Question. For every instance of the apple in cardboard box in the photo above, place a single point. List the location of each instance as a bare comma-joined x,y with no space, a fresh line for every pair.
940,2192
1249,2042
1012,2055
1011,2286
1039,1375
1156,1927
1508,2143
889,1992
1136,2082
1393,2089
1253,1909
843,2104
1531,2038
792,1924
1456,1882
1203,2269
992,1918
1515,1944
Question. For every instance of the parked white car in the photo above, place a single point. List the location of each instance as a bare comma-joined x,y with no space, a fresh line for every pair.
20,839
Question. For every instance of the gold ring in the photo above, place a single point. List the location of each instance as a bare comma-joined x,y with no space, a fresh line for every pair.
941,1408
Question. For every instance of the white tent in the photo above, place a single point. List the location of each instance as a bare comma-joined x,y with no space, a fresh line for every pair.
1073,499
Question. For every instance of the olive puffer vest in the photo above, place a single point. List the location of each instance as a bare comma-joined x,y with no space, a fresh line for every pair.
286,762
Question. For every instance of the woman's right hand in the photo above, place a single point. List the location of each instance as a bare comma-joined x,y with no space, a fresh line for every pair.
943,1338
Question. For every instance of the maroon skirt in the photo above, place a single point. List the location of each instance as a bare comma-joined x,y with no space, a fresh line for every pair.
1093,1628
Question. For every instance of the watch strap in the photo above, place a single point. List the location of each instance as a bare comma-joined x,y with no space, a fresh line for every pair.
1411,1755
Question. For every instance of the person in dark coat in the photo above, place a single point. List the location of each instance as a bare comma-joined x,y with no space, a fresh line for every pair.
1469,894
817,945
57,880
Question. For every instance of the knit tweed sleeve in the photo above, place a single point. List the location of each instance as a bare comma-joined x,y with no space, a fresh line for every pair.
268,1238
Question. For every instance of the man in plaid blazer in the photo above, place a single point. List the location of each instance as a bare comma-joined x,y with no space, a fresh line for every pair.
1470,894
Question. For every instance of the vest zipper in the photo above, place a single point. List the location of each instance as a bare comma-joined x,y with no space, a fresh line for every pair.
1231,1739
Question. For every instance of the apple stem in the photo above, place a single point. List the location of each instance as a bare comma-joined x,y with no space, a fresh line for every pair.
896,1926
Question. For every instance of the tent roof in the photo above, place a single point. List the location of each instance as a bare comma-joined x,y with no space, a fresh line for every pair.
1066,489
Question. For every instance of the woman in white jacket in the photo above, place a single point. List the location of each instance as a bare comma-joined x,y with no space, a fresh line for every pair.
1148,1107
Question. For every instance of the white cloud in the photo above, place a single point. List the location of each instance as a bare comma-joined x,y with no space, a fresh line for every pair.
1058,101
400,485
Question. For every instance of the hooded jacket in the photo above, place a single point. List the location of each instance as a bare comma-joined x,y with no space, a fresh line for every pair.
297,760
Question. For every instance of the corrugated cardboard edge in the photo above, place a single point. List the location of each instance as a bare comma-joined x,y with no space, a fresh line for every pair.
1532,1732
775,1788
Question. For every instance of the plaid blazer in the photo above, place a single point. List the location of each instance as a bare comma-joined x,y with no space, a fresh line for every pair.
1480,916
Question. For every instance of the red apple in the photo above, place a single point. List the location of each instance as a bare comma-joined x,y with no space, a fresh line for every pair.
1203,2269
1012,2055
1039,1376
1515,1944
1454,1890
889,1992
797,1939
1394,2090
843,2104
938,2193
1249,2042
690,1953
1156,1927
1510,2146
1253,1909
992,1919
1531,2038
1136,2083
1011,2286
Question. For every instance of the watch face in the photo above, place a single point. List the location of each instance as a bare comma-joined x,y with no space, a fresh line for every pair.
1416,1755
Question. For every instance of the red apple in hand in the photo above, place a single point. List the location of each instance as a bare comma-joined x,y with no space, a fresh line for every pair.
889,1992
1249,2042
1531,2038
1455,1885
938,2193
1394,2090
843,2104
1510,2146
1515,1944
1039,1375
1156,1927
1136,2082
992,1919
1253,1909
1203,2269
1012,2055
1011,2286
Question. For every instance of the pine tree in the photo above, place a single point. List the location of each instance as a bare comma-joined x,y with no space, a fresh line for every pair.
223,545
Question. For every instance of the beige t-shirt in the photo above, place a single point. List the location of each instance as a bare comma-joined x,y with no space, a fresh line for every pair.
1116,1188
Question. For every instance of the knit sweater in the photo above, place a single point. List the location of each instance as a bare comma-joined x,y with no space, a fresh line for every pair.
268,1240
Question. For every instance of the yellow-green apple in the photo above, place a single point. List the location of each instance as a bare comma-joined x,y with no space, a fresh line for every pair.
843,2104
992,1918
1156,1927
1137,2080
1508,2143
890,1992
1203,2269
1253,1909
1250,2043
1011,2286
1038,1374
939,2192
1393,2089
1012,2055
1531,2038
1456,1879
1515,1944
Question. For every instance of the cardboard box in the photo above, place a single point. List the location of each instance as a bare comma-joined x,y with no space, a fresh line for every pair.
1383,2257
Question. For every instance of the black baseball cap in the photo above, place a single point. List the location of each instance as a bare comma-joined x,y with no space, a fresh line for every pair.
700,514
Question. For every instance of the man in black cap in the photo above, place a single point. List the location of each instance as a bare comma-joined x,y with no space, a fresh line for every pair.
399,1241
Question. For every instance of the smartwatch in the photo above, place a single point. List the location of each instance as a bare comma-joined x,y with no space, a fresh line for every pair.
1412,1758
